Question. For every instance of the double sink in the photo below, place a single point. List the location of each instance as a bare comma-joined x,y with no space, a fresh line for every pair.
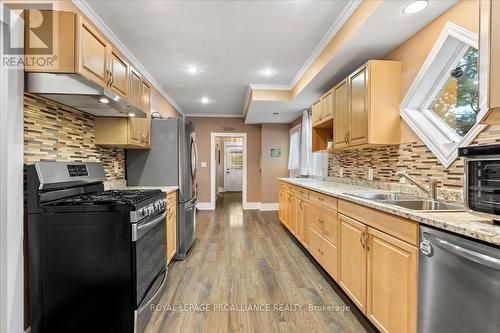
409,201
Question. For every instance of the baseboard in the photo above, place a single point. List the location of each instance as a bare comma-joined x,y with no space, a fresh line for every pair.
269,206
251,205
204,206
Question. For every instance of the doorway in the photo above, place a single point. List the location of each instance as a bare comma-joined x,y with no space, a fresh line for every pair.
228,167
233,166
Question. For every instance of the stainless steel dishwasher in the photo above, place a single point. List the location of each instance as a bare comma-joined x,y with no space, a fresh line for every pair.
459,284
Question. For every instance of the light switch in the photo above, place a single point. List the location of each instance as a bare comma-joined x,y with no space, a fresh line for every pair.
341,172
203,164
370,174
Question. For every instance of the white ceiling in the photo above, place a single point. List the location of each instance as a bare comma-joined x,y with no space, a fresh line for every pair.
230,41
387,28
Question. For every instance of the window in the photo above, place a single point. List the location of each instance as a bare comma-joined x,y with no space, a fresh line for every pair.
442,104
294,155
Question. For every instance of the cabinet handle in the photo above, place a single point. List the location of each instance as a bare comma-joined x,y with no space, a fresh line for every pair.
321,221
112,79
348,134
362,239
366,242
108,77
300,204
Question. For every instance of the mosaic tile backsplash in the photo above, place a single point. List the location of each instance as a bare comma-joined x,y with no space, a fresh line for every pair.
414,158
53,132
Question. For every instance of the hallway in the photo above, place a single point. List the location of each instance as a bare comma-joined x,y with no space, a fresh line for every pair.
241,259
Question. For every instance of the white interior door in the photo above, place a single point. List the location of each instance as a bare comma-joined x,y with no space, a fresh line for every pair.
233,168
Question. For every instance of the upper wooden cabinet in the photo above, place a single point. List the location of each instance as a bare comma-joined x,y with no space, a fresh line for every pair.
146,97
63,39
119,74
372,113
135,86
489,59
92,53
341,114
316,112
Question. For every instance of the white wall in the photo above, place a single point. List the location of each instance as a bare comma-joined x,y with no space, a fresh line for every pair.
11,187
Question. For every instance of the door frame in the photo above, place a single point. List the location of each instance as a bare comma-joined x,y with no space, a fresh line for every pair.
230,145
213,166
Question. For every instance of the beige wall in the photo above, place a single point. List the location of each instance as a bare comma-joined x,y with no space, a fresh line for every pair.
413,52
273,136
204,126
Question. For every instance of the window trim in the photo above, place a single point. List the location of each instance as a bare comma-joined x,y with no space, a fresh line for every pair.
414,106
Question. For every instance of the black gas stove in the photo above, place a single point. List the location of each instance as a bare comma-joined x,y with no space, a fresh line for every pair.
97,258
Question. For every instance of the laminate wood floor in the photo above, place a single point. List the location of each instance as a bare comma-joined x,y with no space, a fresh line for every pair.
246,259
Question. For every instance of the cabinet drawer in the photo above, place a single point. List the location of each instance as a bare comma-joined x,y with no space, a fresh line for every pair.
324,252
404,229
284,186
323,199
324,222
303,192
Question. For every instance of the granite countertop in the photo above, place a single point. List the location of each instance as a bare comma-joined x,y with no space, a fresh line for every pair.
458,222
122,185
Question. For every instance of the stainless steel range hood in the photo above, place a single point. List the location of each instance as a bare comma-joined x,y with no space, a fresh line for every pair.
77,92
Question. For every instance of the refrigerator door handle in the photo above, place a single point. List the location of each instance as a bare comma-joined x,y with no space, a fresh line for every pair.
463,252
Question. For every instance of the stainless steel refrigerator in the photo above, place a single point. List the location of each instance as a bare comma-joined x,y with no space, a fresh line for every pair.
172,160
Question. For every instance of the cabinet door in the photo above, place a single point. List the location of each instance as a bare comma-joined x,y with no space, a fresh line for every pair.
340,114
146,97
292,213
302,225
92,53
392,283
118,69
352,277
134,130
358,108
316,112
327,105
281,205
145,131
135,84
171,232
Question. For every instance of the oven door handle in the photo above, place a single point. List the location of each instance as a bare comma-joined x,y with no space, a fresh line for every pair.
479,258
139,229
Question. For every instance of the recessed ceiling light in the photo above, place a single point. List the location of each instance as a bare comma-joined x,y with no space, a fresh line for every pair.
131,114
192,69
275,113
415,6
267,72
204,100
103,100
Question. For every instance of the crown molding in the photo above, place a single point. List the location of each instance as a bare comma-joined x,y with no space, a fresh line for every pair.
90,13
334,29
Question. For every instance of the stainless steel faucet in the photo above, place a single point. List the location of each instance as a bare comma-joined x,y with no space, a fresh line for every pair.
431,191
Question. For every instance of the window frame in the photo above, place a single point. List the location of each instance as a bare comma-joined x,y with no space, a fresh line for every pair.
442,140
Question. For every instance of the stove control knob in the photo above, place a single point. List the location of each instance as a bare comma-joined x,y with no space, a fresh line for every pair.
144,212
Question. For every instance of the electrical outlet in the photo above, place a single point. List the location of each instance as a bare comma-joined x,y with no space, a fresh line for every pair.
116,166
341,172
370,174
203,164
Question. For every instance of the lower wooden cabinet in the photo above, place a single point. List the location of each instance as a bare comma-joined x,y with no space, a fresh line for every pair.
352,277
171,226
372,255
392,283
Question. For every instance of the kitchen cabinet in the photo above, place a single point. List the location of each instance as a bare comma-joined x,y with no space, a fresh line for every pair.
391,283
371,254
62,58
128,133
302,223
352,262
489,58
292,213
341,114
118,72
357,132
92,53
135,84
316,112
171,225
